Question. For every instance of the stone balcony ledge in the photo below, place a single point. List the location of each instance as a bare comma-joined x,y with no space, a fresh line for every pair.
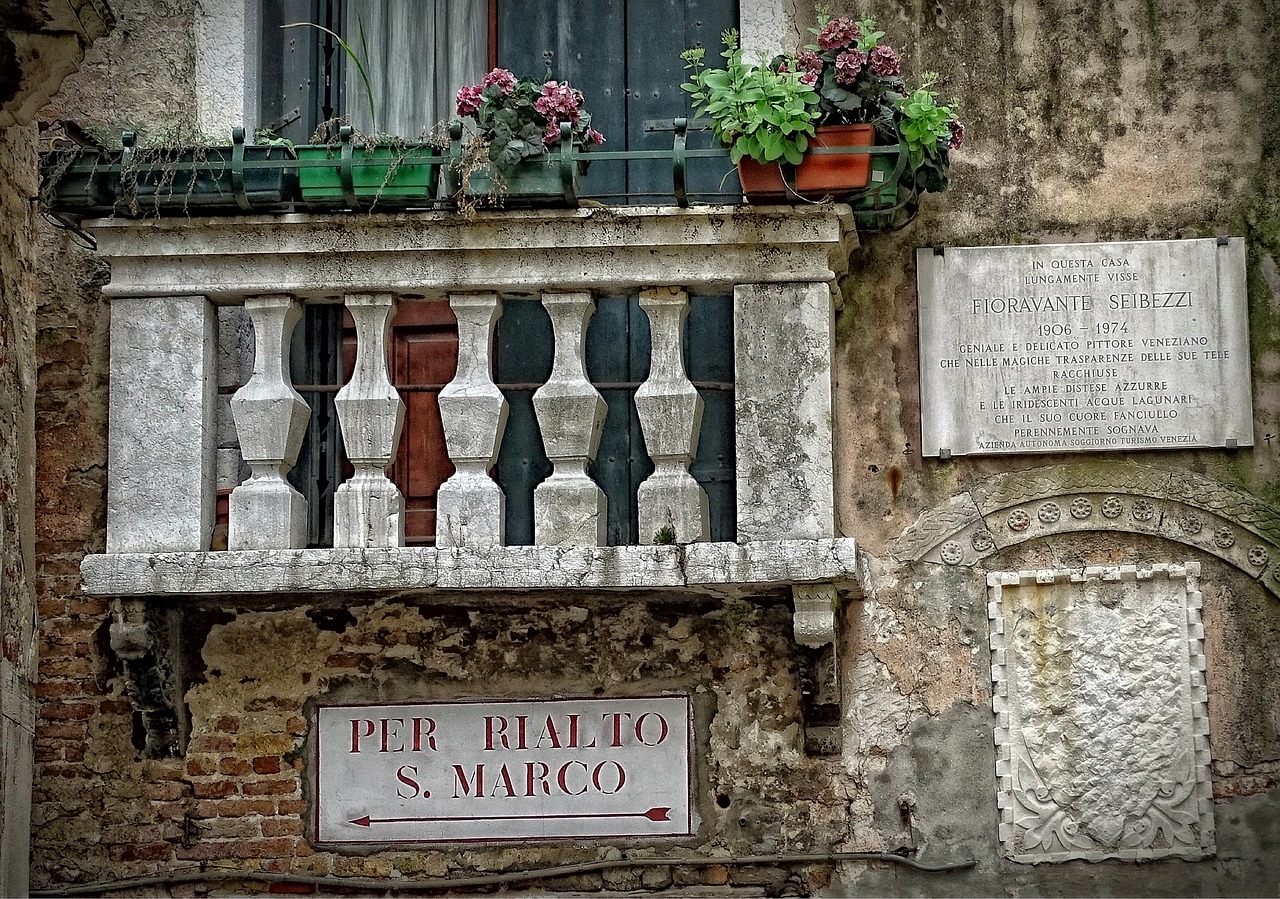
723,569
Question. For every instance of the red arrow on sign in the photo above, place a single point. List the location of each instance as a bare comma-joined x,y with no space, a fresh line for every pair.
653,814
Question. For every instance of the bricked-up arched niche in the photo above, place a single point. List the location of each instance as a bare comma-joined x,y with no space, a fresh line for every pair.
1126,497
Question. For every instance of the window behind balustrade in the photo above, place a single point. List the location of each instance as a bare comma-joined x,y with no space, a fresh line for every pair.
624,56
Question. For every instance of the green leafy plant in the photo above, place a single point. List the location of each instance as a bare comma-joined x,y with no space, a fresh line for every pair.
926,127
765,112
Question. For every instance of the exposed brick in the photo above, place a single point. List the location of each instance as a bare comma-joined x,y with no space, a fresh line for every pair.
229,828
165,791
88,608
73,752
231,808
265,848
51,666
66,711
297,725
145,852
234,767
270,787
63,731
206,850
201,767
71,631
296,889
264,744
227,724
266,764
291,806
265,703
211,743
282,827
216,789
48,753
74,772
48,689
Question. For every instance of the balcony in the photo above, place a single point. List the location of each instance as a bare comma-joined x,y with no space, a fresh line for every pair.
170,276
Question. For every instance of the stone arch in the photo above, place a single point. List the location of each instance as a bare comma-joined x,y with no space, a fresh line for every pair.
1176,504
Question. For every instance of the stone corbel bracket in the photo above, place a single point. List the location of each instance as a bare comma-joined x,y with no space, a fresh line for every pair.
1178,505
146,650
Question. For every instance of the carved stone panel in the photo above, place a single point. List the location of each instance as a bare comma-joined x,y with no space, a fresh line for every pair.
1102,747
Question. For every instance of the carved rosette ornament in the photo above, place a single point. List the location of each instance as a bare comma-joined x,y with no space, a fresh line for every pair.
1143,510
1081,508
982,541
1018,520
952,552
1224,538
1049,513
1258,556
1112,507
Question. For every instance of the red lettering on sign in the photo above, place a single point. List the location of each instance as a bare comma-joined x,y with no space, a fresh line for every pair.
562,778
490,731
539,779
391,732
357,724
617,725
402,775
504,781
549,734
621,778
460,780
419,732
662,732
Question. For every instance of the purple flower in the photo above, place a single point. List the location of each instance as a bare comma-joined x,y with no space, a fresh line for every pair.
884,62
809,61
957,135
838,33
849,64
469,99
503,78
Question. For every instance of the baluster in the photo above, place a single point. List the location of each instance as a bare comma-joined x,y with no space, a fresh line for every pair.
266,512
568,507
368,509
470,507
672,506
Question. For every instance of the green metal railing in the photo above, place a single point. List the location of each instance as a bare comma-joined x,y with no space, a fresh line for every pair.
79,183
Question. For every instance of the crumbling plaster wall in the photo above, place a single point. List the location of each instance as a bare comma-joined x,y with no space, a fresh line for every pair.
1087,122
1076,111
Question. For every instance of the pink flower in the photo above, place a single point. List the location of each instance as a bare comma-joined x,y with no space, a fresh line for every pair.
884,62
839,32
957,135
594,137
849,64
552,134
503,78
809,61
559,101
469,99
808,79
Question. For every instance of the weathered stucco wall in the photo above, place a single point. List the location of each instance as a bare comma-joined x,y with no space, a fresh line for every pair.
1087,121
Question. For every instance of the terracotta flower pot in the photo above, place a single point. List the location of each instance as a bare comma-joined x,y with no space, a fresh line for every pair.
818,175
832,174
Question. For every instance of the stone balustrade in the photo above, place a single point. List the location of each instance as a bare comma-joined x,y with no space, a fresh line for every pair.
169,277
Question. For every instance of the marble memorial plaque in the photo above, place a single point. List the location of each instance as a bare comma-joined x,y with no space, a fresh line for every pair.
1102,746
1084,347
504,770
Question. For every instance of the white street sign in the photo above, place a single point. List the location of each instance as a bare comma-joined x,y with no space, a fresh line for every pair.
504,770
